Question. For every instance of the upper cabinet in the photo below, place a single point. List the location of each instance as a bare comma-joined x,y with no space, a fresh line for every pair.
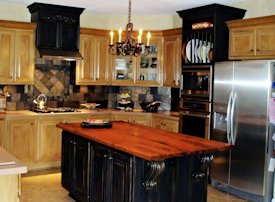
143,70
149,66
159,67
94,69
17,42
205,34
57,26
252,38
172,57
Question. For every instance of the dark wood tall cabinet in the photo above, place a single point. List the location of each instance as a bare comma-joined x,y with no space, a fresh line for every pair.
205,34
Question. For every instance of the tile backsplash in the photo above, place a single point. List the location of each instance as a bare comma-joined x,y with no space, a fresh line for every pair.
55,79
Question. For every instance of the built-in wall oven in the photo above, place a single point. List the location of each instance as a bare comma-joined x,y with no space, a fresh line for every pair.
195,103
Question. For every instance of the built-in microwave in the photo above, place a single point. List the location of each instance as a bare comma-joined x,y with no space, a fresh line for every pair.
196,82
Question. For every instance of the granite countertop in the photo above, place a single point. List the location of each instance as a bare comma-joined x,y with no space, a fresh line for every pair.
146,142
10,165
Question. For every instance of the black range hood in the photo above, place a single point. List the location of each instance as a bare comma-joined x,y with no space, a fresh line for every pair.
57,33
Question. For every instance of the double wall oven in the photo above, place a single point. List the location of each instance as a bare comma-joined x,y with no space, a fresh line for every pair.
195,103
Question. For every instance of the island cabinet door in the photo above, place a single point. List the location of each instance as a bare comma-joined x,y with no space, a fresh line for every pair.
121,177
99,175
67,164
75,166
81,169
111,177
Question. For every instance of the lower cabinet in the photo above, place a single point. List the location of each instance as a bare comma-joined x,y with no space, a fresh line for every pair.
75,166
20,139
112,175
166,124
49,141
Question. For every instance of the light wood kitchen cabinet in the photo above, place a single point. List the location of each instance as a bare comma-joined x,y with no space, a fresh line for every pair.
17,42
149,66
94,69
143,70
105,117
141,119
48,144
74,118
21,138
252,38
167,124
172,57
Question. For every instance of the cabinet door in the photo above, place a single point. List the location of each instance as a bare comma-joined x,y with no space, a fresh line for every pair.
21,138
67,166
266,41
142,120
7,44
123,70
99,174
85,68
81,167
171,125
122,117
172,61
69,32
46,34
121,177
24,57
157,122
105,117
102,60
242,43
149,66
49,140
74,118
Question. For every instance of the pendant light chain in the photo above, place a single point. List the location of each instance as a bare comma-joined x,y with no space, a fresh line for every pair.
129,13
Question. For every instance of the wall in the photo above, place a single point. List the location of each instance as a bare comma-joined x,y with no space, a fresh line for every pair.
255,8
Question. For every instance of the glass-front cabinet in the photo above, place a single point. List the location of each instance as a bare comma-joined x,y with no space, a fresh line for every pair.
124,70
149,65
142,70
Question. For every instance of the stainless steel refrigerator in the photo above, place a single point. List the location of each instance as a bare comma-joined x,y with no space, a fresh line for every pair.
242,92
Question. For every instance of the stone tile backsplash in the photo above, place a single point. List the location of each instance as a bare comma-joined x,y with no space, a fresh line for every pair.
53,78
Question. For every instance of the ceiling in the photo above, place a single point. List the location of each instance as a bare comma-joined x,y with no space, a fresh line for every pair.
120,7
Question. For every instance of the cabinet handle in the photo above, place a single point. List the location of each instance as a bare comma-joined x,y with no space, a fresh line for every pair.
31,124
251,50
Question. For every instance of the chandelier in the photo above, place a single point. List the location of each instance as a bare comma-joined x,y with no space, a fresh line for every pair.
129,46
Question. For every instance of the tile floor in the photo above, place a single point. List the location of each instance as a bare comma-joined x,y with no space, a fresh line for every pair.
45,186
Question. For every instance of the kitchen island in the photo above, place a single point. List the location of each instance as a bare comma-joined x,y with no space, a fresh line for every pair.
134,163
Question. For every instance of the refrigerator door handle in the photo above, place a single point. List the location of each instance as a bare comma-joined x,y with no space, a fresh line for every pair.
228,115
233,137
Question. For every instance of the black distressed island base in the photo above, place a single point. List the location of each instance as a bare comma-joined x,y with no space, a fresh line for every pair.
134,163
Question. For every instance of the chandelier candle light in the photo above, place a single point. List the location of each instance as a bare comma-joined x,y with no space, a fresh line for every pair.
129,46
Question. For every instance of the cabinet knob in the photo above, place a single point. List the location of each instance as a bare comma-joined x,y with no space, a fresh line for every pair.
258,50
251,50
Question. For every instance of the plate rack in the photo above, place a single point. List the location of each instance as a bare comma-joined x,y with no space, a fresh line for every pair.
206,24
198,47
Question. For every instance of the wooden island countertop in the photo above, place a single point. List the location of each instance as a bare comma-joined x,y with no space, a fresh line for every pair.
146,142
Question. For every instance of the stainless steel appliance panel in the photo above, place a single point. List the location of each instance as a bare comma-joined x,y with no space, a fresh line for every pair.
249,125
223,74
